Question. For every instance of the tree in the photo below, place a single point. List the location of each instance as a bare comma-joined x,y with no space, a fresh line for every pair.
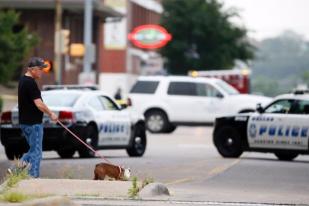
282,59
203,36
15,44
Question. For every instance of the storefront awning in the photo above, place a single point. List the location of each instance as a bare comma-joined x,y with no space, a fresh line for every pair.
74,5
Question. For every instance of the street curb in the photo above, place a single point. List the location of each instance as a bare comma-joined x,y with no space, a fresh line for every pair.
75,189
47,201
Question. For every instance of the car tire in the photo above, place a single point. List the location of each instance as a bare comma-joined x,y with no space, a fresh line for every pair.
138,145
14,152
228,142
156,121
92,137
285,156
66,153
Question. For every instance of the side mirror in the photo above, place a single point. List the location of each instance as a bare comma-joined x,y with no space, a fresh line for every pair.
259,108
219,95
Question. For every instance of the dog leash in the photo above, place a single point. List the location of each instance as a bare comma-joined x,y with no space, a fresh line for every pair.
96,153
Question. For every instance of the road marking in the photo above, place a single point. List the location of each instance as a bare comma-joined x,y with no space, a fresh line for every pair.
211,173
220,169
179,181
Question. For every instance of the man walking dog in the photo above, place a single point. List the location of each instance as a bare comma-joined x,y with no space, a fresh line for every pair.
31,109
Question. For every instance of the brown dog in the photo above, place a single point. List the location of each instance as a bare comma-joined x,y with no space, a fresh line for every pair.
118,173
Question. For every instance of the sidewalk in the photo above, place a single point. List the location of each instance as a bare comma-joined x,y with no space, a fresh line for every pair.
74,188
77,191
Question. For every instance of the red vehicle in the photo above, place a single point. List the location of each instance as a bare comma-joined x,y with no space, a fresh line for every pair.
240,79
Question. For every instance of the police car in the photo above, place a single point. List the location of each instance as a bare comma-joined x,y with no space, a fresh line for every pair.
280,128
92,115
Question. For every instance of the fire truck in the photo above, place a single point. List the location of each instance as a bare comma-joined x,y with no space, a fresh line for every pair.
238,78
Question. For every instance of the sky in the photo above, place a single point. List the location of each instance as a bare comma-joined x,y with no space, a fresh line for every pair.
269,18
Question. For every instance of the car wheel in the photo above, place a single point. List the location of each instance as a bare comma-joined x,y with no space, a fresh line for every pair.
284,156
228,142
92,140
156,121
66,153
170,129
14,152
139,142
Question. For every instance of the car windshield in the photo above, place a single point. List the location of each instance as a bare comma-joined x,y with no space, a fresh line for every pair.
226,87
59,99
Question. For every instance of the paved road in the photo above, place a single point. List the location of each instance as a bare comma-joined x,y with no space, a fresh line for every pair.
193,170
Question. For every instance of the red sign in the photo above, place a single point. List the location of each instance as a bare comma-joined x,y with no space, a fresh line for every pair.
149,36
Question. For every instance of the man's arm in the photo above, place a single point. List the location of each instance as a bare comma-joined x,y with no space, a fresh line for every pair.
42,107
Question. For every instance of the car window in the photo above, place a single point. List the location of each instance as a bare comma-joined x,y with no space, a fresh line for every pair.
226,87
207,90
145,87
60,100
182,88
212,91
280,106
300,107
108,104
96,104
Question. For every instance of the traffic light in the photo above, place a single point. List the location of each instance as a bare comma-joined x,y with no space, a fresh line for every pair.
49,67
64,41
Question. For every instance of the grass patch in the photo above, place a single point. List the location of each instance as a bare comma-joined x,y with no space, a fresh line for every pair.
135,189
13,179
88,195
19,173
14,197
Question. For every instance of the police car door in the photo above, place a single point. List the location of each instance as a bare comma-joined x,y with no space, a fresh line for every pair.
278,127
114,124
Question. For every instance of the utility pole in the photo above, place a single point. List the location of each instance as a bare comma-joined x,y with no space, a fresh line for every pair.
89,53
57,49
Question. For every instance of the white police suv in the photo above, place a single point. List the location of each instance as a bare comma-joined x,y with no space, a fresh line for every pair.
92,115
169,101
280,128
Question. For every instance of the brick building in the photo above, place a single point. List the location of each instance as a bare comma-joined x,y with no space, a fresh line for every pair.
117,61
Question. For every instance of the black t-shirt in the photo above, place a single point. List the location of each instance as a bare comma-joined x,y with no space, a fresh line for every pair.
27,92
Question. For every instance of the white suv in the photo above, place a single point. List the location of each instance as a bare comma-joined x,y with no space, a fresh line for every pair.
168,101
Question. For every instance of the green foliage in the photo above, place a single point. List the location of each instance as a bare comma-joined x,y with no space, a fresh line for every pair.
265,86
203,36
147,181
1,104
14,197
133,191
14,45
281,64
305,77
20,172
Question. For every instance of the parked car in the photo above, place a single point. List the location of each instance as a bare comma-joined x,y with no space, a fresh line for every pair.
92,115
281,128
169,101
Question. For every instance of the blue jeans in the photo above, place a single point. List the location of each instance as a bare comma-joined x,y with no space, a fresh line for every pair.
34,137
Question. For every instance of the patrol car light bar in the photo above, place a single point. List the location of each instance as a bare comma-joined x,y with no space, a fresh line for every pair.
301,92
